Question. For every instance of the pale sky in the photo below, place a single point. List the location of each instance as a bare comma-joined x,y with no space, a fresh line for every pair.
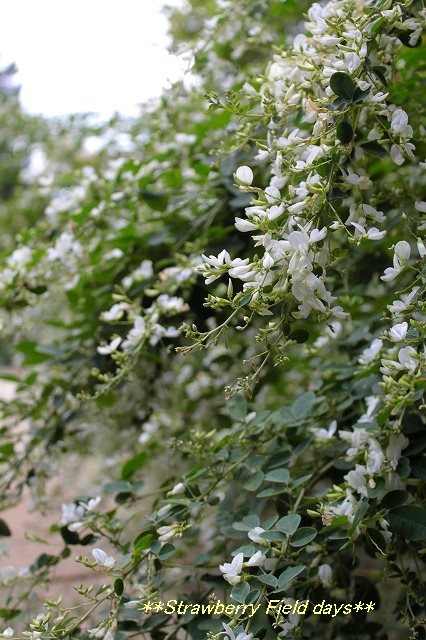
87,55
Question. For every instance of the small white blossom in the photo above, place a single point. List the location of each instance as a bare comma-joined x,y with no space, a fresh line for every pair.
399,121
370,354
325,574
109,348
243,175
254,534
257,560
408,358
232,570
103,559
356,479
178,488
167,532
325,434
398,331
396,444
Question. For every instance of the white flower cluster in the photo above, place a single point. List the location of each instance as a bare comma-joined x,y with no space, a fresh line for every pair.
294,217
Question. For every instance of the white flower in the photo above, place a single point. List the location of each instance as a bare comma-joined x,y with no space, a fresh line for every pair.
244,225
272,194
254,534
257,560
402,250
72,513
163,510
325,574
356,479
19,258
398,331
231,635
243,175
407,356
92,503
375,457
268,260
421,248
178,488
167,532
420,206
390,274
103,558
400,306
144,271
135,334
358,438
115,313
325,434
375,234
369,354
231,570
399,121
109,348
8,633
396,444
352,61
396,154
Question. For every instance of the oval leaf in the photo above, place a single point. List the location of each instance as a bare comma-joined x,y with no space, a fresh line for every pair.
240,591
409,522
268,579
278,475
303,536
342,85
345,133
394,499
289,523
288,575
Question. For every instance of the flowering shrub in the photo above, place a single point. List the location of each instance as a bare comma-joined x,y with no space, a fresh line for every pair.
233,294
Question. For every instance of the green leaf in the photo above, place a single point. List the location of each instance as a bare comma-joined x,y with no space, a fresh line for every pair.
142,542
342,85
303,536
273,536
268,579
379,72
303,406
345,133
133,465
359,94
394,499
9,614
70,537
157,201
408,521
375,149
119,587
278,475
288,575
377,540
289,523
4,529
253,482
299,335
237,407
240,591
249,522
166,551
272,491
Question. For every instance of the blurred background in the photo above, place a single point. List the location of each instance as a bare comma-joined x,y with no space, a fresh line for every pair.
97,56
